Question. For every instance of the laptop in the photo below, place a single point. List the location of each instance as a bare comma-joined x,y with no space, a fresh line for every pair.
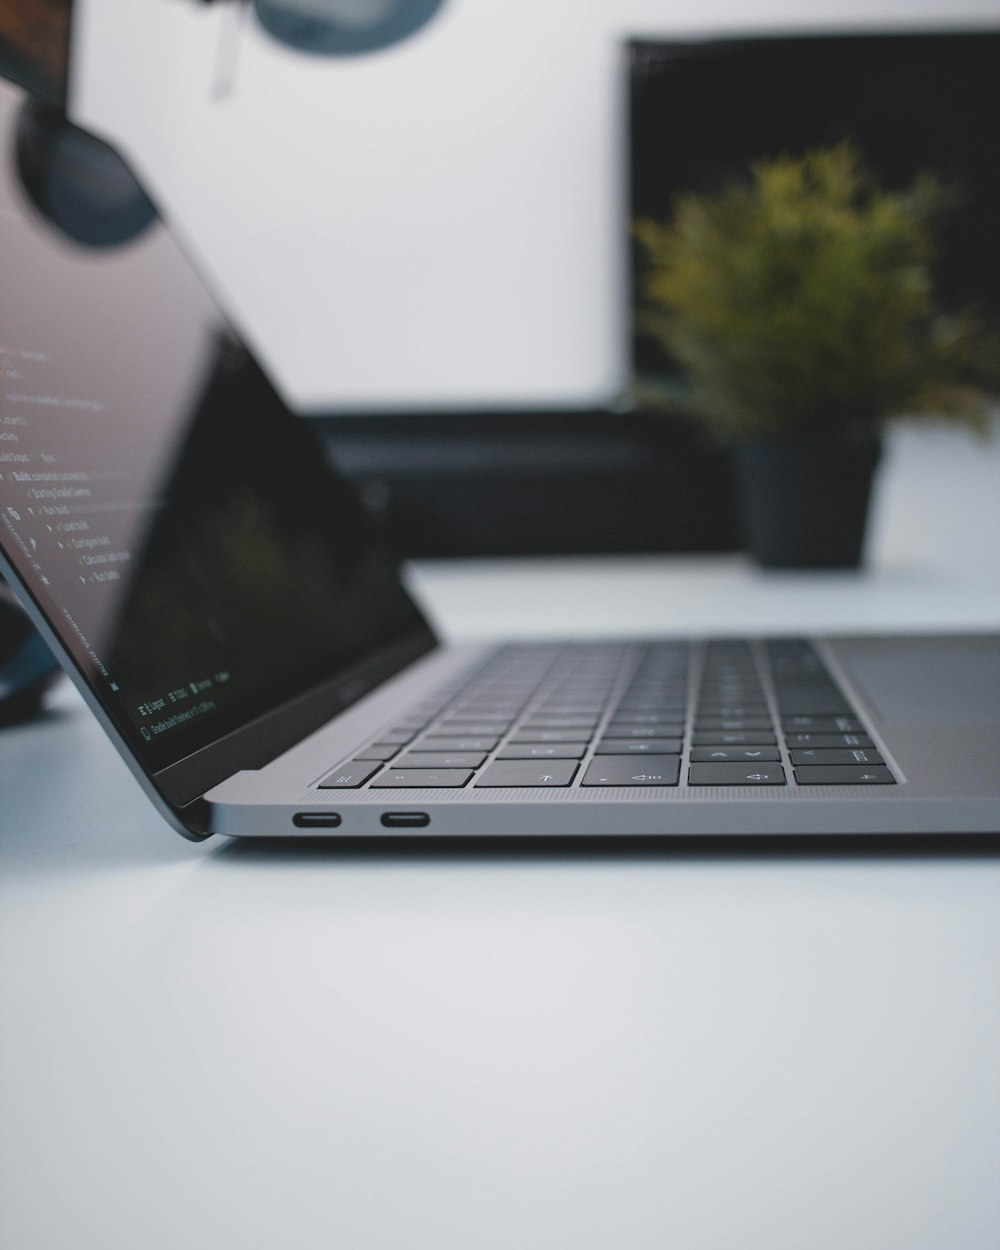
235,622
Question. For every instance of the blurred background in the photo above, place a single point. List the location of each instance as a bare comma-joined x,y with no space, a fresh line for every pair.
428,244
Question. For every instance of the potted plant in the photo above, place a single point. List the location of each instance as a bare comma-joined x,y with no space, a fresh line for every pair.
800,309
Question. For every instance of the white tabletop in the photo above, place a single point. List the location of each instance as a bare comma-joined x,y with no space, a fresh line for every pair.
257,1046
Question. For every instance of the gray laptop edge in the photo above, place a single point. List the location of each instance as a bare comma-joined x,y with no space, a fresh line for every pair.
232,618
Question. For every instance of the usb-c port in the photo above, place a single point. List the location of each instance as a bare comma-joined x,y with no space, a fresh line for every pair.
316,820
405,820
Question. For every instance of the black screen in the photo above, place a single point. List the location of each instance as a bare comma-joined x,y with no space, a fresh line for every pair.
702,112
177,526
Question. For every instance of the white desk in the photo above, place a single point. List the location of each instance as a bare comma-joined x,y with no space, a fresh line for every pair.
247,1047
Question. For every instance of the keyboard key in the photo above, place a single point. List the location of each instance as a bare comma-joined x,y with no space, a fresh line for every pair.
463,718
560,722
809,698
625,770
656,729
527,773
396,737
441,759
822,724
639,746
720,711
623,716
410,778
498,720
734,755
432,742
384,752
844,775
739,738
729,774
470,730
843,755
544,751
349,776
705,724
656,709
710,720
549,735
575,709
823,741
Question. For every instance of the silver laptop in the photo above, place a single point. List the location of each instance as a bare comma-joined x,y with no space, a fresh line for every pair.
233,619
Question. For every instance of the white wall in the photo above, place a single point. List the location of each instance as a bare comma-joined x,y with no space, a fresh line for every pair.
441,224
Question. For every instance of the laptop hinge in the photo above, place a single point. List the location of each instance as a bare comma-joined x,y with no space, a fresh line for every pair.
196,817
264,739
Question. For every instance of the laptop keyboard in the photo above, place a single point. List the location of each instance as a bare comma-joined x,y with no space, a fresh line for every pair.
544,715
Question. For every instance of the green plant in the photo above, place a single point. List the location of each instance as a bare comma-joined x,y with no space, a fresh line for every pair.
800,305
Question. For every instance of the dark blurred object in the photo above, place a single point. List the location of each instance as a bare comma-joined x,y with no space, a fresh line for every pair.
34,45
534,483
909,103
805,506
340,27
78,183
27,666
343,27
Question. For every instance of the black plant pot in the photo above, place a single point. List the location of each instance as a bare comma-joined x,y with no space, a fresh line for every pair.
805,507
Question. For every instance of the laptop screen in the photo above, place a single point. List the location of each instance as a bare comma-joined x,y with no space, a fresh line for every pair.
177,527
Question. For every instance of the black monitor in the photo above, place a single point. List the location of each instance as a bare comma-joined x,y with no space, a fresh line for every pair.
702,111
